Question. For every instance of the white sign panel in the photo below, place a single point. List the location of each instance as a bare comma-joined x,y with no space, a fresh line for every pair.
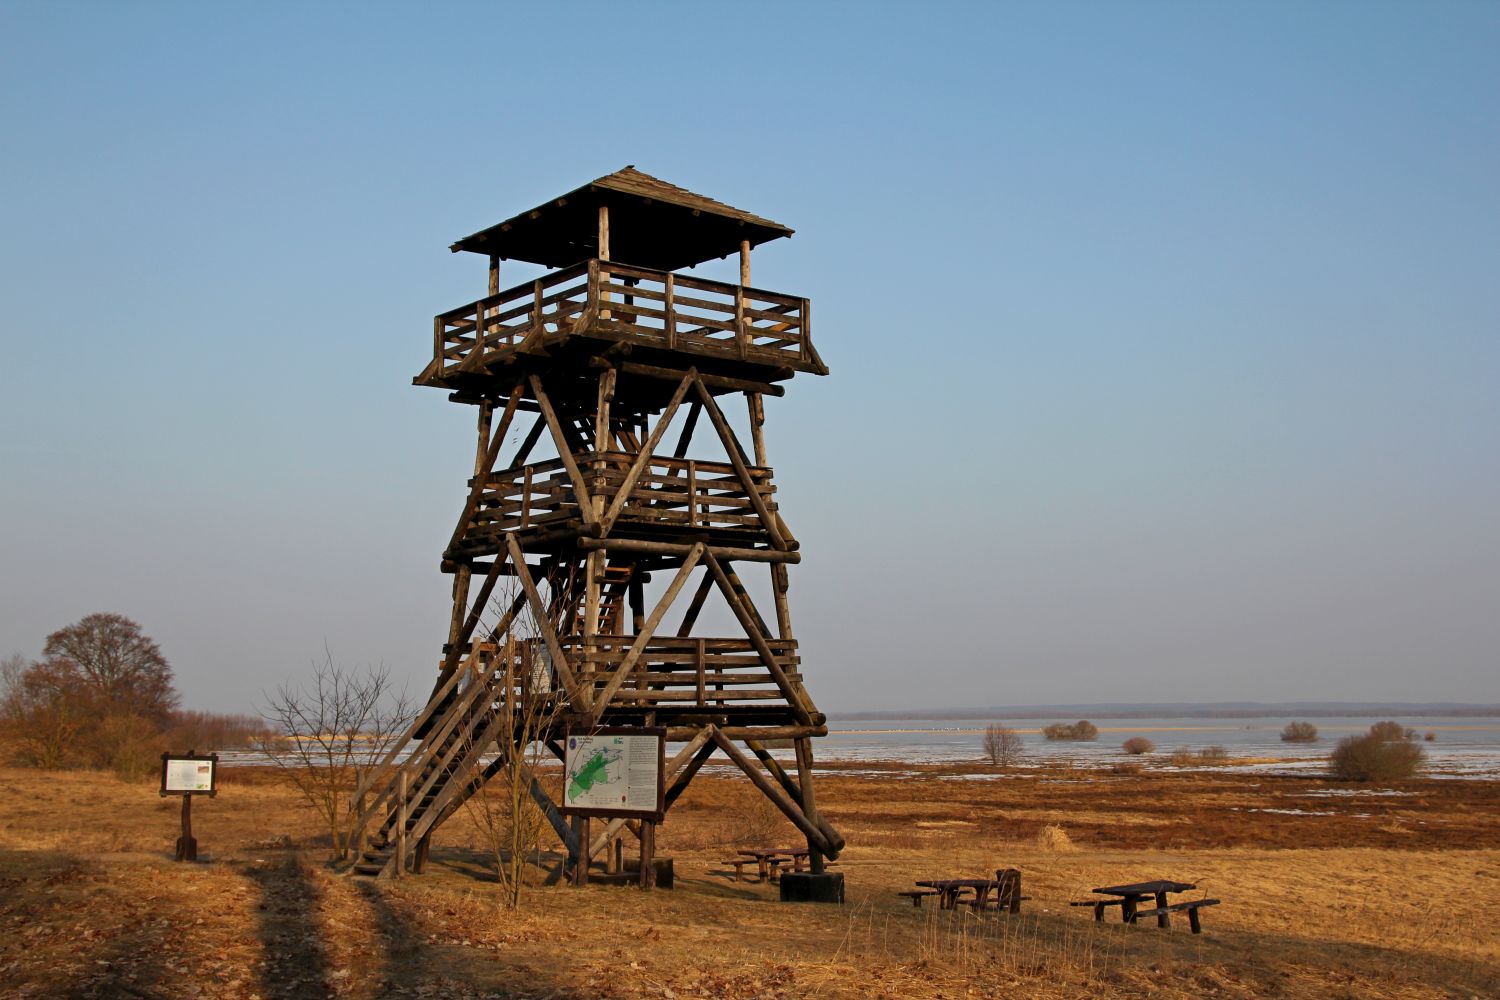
189,776
613,772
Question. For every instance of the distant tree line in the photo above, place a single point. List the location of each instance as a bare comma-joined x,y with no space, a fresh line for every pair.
102,696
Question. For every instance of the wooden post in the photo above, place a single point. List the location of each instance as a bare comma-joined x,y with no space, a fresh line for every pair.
744,262
403,815
604,312
581,861
494,274
809,803
648,853
187,846
757,422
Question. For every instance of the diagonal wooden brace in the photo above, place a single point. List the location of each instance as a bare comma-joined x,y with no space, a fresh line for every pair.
778,797
648,631
758,640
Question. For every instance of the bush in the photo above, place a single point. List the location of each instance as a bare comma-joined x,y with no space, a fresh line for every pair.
1082,730
1299,732
1213,755
1385,753
1430,737
1003,746
1182,757
1392,730
1138,745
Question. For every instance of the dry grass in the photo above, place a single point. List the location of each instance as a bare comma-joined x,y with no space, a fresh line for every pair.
1314,906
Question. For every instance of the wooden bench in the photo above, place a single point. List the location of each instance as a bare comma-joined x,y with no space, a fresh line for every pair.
739,867
1098,905
917,895
1191,907
1011,903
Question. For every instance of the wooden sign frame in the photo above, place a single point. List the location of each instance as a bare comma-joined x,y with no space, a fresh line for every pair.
658,733
213,774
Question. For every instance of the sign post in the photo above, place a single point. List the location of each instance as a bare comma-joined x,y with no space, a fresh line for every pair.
616,771
188,775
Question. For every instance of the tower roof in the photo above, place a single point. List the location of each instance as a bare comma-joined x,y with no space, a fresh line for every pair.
651,224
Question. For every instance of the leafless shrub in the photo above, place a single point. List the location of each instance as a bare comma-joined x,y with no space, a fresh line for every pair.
1138,745
1182,757
1430,737
325,735
1213,755
1002,745
1299,732
503,808
1385,753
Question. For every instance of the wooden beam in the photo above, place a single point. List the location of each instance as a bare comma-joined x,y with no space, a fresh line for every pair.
544,625
690,618
715,381
758,640
737,459
643,459
776,795
682,549
744,263
647,632
564,451
686,437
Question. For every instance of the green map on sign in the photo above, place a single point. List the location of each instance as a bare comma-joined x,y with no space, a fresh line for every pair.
593,771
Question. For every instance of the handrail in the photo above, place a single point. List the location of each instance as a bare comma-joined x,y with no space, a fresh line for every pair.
633,303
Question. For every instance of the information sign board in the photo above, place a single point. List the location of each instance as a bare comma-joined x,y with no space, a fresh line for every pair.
189,774
615,771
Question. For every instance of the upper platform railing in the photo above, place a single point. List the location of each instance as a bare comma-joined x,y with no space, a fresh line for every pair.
614,301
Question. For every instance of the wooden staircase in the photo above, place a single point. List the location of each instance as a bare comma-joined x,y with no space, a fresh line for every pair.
412,796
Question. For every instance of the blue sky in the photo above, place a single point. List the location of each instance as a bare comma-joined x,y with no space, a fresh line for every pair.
1165,337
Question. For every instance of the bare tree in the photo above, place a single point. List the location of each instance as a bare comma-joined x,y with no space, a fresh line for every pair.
1003,746
119,662
326,735
503,807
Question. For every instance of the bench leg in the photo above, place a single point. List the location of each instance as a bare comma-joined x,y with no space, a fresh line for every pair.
1098,913
1193,921
1127,911
1162,918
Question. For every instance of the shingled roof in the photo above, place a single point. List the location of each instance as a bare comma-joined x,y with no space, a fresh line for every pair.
651,224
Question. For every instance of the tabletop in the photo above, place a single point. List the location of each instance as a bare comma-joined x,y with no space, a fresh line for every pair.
769,852
957,883
1146,888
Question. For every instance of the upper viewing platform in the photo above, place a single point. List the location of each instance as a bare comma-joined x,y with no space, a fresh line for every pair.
615,245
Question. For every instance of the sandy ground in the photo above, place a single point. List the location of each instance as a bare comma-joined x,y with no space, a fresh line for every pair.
1328,890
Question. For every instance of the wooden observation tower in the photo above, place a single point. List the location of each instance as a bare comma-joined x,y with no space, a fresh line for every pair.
628,507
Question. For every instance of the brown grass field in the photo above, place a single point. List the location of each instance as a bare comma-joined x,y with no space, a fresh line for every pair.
1382,896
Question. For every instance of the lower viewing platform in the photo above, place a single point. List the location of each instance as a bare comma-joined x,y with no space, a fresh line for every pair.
670,497
674,676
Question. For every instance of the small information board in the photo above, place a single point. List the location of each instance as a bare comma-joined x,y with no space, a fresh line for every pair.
615,771
187,774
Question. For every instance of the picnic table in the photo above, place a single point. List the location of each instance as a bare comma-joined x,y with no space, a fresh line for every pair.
770,859
1131,896
1006,885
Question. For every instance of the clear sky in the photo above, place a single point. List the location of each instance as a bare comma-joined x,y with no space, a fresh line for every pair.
1165,337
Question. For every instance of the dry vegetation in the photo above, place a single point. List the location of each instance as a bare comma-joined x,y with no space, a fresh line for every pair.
1325,895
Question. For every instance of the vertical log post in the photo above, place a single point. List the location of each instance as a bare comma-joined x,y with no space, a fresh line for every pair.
809,803
603,255
648,853
403,814
581,858
187,844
